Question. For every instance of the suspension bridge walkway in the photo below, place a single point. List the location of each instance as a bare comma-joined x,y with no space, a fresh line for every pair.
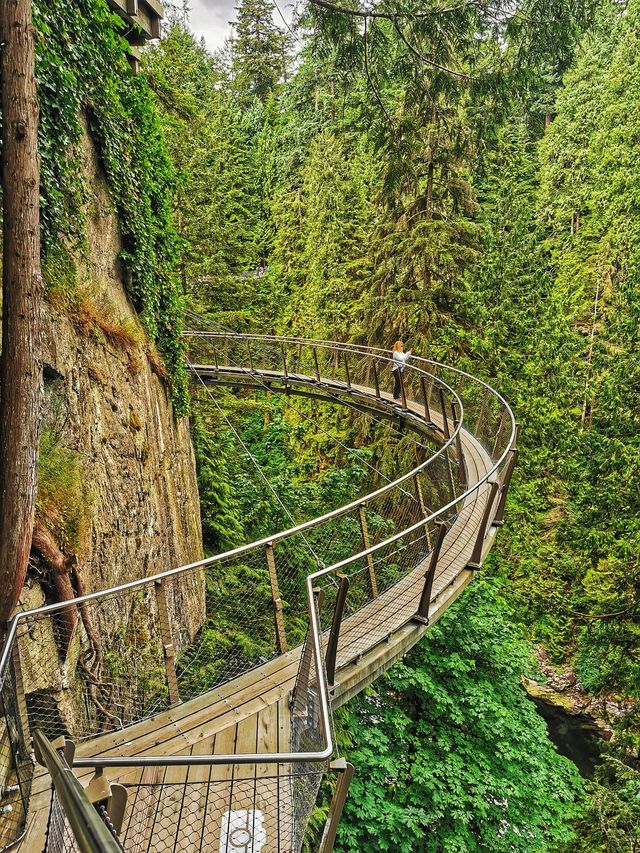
195,705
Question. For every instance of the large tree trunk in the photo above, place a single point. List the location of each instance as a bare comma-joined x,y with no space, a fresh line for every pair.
21,361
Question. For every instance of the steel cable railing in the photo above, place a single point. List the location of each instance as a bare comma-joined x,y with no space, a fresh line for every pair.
160,646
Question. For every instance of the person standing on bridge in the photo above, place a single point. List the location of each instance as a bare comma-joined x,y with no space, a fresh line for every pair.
400,358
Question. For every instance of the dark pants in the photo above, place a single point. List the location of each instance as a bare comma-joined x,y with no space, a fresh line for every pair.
397,388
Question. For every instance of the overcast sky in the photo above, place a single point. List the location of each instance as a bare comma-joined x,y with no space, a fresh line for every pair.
210,18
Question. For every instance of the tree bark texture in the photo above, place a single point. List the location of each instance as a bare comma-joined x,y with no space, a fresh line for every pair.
21,360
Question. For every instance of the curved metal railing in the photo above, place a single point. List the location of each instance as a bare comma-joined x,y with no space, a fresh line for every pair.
160,638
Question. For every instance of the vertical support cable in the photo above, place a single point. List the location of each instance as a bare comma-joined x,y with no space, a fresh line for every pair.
334,634
371,571
167,643
476,557
422,614
281,636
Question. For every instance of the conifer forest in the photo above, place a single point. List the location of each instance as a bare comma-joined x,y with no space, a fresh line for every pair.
460,175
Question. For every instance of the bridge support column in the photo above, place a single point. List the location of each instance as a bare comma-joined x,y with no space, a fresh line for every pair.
334,633
422,614
371,571
476,557
281,636
345,773
167,644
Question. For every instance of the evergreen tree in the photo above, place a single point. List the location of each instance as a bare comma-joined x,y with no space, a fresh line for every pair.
259,51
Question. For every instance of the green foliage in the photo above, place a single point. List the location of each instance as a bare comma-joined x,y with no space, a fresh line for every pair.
62,498
259,51
449,752
83,70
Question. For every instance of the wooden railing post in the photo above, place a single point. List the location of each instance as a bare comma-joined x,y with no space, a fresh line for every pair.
284,361
301,688
425,397
445,419
403,395
376,380
476,557
317,366
423,508
498,439
345,773
346,369
250,356
281,636
336,622
498,519
371,571
422,614
21,700
462,466
167,643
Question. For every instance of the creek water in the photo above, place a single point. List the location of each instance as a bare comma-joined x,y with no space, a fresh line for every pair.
575,735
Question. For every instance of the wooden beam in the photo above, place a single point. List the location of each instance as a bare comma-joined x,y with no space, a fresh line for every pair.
422,614
476,557
281,636
336,622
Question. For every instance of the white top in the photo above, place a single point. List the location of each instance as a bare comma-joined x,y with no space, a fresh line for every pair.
400,359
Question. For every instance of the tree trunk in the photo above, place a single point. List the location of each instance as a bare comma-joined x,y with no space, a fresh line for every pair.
21,360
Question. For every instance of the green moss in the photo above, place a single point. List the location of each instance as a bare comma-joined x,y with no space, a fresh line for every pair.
62,502
82,69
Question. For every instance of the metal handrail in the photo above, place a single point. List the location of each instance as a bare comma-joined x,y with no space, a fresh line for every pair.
90,832
280,757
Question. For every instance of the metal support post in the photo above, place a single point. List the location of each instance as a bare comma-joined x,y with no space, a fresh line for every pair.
422,614
476,557
371,571
334,633
167,643
281,636
345,773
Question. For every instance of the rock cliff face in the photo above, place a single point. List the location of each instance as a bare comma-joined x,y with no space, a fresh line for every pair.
107,401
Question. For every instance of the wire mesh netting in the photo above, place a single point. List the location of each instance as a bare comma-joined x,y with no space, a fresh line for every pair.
99,665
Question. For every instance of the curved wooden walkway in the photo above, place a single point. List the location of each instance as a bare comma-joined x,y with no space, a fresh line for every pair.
183,808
